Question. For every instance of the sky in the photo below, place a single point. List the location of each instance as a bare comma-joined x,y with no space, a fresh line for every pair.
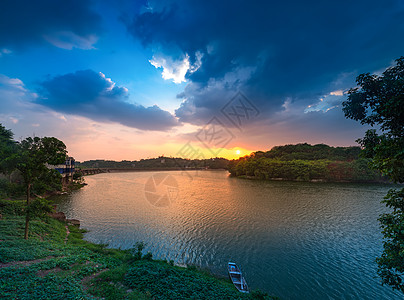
125,80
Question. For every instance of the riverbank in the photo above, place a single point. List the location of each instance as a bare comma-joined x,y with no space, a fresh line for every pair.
56,262
311,180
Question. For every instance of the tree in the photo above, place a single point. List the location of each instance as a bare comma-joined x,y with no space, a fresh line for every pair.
34,156
379,100
7,149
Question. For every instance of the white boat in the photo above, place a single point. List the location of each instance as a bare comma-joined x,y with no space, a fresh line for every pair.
237,278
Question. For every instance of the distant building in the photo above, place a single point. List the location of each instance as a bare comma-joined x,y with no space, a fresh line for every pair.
66,170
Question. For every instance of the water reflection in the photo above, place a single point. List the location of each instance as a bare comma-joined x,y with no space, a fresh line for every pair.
294,240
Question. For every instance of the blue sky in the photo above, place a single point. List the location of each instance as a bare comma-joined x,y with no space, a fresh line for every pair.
132,79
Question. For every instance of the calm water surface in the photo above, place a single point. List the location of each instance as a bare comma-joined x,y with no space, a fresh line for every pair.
294,240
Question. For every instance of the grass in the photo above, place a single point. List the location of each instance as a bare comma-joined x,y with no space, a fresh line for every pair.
47,267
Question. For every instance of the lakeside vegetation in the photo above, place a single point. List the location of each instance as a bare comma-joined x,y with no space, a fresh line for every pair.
56,263
379,100
305,162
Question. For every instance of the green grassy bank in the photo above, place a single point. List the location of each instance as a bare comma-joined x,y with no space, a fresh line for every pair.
56,263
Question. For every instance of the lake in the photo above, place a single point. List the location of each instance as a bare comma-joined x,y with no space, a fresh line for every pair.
295,240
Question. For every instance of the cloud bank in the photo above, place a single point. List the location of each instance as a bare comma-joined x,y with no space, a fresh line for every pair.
92,95
64,24
273,51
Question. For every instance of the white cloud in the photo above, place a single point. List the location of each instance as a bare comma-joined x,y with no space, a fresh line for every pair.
327,102
198,62
4,51
69,40
337,93
14,83
176,69
13,120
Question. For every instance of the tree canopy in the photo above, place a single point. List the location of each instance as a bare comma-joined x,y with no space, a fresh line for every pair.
34,156
7,148
379,100
305,162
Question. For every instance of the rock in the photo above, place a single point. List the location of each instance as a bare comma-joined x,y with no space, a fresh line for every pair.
58,216
73,222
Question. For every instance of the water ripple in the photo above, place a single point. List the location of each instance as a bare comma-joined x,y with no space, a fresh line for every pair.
294,240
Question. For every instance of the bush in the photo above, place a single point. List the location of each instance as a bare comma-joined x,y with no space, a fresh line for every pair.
12,207
148,256
10,189
137,250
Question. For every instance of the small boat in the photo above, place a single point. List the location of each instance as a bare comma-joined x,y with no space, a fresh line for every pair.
237,278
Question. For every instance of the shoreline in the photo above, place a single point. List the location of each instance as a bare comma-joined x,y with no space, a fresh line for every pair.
111,170
59,263
312,180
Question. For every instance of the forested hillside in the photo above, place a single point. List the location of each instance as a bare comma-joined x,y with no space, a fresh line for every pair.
305,162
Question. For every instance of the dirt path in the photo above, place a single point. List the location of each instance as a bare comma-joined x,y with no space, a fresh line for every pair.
25,263
87,279
67,233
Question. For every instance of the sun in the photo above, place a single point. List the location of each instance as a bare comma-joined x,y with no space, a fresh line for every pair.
238,152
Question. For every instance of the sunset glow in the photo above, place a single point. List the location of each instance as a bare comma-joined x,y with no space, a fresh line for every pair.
112,90
193,139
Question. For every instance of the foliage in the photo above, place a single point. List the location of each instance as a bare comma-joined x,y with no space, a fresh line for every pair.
286,162
50,180
12,207
162,162
137,250
7,148
32,158
78,177
391,266
34,155
379,100
306,151
10,189
148,256
163,281
258,294
39,207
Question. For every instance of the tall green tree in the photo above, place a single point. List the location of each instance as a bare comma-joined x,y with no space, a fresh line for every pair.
34,156
379,101
7,150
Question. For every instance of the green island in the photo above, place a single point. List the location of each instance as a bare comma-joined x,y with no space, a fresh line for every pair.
55,262
305,162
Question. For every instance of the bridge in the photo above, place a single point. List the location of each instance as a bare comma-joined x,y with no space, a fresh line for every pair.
93,171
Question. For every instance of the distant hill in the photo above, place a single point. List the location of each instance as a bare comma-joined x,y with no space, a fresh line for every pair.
305,162
157,163
310,152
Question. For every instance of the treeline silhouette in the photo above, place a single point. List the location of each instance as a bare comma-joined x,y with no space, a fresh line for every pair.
157,163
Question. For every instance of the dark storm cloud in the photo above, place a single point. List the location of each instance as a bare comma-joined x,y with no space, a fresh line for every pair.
90,94
65,24
271,50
